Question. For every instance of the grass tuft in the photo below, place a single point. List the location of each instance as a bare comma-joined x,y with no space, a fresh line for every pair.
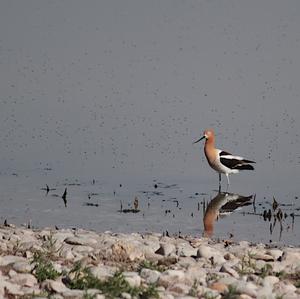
113,287
43,268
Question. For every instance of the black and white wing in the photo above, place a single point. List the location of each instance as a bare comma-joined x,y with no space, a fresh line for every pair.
235,162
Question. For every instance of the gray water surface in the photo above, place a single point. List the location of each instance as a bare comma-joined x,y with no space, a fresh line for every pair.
117,91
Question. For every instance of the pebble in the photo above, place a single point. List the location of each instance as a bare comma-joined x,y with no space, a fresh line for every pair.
133,279
220,287
103,272
190,266
166,249
179,288
170,277
10,259
22,267
150,276
211,254
185,249
80,241
227,269
24,279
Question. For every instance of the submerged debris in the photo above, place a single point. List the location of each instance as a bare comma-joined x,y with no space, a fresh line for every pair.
64,197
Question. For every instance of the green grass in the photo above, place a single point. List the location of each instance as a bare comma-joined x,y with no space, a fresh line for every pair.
231,293
113,287
88,296
43,268
266,270
193,290
50,247
209,295
247,265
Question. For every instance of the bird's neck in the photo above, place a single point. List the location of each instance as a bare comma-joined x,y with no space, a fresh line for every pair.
208,221
209,150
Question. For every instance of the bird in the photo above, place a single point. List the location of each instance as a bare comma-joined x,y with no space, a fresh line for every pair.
222,161
223,204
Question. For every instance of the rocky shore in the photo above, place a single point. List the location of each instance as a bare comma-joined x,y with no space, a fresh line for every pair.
67,263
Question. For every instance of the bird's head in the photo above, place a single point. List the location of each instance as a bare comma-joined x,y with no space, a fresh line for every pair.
207,134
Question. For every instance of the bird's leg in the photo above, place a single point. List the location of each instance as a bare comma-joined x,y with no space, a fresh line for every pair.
219,182
228,183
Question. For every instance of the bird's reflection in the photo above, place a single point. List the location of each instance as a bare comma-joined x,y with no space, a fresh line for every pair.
223,203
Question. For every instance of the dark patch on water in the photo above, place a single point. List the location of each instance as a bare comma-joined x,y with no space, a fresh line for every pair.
134,211
90,204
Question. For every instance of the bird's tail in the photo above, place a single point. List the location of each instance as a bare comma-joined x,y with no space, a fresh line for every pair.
248,161
244,167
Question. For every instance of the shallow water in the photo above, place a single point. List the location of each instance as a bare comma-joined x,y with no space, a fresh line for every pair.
169,206
117,92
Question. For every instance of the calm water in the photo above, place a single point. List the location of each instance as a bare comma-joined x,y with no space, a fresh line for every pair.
106,98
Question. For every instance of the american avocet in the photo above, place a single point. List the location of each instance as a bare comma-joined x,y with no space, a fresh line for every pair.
221,161
224,203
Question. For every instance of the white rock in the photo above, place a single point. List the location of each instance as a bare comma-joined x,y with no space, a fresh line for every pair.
150,276
228,280
227,269
265,292
15,239
29,254
77,256
186,262
93,292
31,290
170,277
12,273
185,249
195,273
11,288
275,253
132,278
270,281
10,259
164,295
3,246
151,244
76,240
209,252
22,267
82,249
244,244
28,245
125,295
24,279
55,286
60,236
166,249
291,256
74,294
263,256
284,288
179,288
126,251
245,296
67,254
248,288
102,272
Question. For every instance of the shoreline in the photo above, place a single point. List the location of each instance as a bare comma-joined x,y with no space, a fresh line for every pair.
78,263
